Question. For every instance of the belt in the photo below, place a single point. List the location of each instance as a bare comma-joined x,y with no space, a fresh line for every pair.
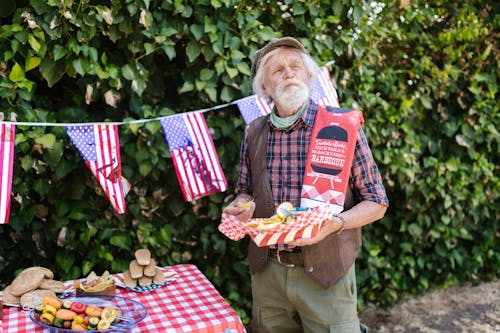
287,258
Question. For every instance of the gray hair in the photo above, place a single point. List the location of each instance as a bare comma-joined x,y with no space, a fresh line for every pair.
258,81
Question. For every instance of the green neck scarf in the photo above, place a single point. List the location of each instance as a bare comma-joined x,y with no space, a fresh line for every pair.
285,122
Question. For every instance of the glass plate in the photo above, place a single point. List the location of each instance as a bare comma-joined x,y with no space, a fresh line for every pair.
132,313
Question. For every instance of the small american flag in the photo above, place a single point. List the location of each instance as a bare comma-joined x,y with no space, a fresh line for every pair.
194,156
322,90
253,107
100,148
7,137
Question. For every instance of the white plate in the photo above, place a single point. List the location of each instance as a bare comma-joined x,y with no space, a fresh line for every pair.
170,276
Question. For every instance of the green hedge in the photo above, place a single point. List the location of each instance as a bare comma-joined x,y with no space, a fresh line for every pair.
424,75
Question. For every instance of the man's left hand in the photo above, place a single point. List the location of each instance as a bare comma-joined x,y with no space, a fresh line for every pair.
329,226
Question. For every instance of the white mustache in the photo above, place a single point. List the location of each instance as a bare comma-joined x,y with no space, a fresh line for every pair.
282,85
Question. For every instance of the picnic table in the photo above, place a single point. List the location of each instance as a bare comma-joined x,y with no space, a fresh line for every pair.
190,303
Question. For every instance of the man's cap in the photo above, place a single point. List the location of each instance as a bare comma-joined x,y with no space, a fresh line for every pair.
275,43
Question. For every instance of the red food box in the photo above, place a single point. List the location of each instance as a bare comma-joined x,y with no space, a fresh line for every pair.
330,157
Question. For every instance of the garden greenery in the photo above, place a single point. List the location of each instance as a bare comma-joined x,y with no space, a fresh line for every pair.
424,74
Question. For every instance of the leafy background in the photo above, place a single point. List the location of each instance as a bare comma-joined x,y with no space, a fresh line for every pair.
424,74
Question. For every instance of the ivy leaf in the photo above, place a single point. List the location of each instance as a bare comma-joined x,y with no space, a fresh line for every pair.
51,71
81,66
145,168
212,93
122,241
206,74
226,94
193,50
244,68
267,33
32,62
65,260
197,31
35,45
149,47
187,87
134,128
169,51
16,74
8,30
237,54
128,72
47,141
232,72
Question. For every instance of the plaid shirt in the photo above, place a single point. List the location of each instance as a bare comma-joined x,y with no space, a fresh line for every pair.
286,159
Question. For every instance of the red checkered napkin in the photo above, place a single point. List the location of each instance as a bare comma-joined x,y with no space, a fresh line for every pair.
305,225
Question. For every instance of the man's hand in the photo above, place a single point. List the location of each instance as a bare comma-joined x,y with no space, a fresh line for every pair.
242,208
328,227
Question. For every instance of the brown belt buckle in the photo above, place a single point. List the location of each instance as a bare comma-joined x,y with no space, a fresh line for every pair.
282,263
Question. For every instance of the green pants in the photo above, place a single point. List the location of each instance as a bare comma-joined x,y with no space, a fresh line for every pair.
286,300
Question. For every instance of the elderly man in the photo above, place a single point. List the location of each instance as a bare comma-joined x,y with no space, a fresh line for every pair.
310,284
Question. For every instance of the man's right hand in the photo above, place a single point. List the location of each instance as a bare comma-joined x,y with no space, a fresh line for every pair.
242,208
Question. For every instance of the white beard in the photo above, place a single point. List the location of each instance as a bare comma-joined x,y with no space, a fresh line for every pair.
292,98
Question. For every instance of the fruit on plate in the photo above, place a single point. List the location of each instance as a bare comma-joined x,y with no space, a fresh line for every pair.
80,317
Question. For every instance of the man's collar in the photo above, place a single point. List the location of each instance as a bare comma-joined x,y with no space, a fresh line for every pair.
309,114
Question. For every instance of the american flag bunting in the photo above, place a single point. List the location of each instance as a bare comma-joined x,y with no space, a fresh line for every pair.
100,148
7,137
252,107
322,90
194,156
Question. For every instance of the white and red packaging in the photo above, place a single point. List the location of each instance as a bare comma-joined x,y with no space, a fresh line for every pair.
304,225
330,157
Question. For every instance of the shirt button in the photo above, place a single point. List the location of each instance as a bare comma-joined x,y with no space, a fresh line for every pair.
310,269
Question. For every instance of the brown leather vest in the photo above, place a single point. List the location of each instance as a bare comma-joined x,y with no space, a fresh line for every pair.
326,261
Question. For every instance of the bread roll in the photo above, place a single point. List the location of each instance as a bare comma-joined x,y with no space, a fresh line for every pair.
129,281
143,256
136,270
159,277
8,298
150,270
47,273
145,281
54,285
27,280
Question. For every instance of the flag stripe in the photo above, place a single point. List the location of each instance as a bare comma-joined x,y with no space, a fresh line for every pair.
194,132
208,149
194,156
326,82
264,107
7,132
117,181
107,158
181,175
99,145
104,160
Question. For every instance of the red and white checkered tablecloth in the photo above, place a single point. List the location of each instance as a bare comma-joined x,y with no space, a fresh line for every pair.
189,304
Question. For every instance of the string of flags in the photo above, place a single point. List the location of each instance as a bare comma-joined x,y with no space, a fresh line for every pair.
195,159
